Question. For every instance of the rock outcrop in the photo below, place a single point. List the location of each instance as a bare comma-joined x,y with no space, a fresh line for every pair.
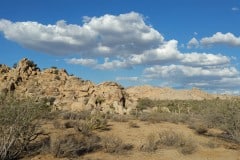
65,92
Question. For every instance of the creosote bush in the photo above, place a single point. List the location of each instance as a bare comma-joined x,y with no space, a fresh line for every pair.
113,144
151,143
19,125
73,145
215,113
169,138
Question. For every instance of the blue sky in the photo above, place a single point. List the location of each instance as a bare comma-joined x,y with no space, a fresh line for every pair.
167,43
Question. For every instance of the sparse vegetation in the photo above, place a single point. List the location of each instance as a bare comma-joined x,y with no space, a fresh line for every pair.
73,145
119,118
82,138
132,124
169,138
221,114
19,126
151,143
113,144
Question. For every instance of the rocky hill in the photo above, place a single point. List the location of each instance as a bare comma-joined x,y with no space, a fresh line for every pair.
67,92
157,93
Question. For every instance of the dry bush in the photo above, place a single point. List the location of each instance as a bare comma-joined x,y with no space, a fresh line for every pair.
188,146
113,144
151,143
98,121
212,144
169,138
172,139
83,115
65,124
73,145
85,127
133,124
199,128
224,115
19,126
119,118
70,124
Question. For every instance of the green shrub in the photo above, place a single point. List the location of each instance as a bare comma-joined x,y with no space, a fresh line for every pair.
145,103
19,125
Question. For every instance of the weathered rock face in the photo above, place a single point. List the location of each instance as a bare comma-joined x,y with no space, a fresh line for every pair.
66,92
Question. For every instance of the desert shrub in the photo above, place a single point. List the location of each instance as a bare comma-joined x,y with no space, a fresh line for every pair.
70,124
83,115
169,138
212,144
73,145
199,128
224,115
145,103
188,146
154,117
84,127
119,118
150,144
97,121
133,124
19,125
113,144
157,117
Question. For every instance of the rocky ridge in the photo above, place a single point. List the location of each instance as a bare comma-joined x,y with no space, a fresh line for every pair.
67,92
64,91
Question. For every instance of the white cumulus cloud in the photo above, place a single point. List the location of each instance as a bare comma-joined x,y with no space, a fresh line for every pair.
187,76
82,61
221,38
131,79
193,43
106,35
204,59
126,41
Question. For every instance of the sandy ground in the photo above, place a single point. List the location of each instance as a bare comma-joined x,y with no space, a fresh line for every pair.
137,137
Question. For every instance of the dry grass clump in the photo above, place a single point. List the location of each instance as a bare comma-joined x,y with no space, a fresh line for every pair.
199,128
216,113
119,118
185,145
83,115
151,143
73,145
84,124
113,144
132,124
158,117
169,138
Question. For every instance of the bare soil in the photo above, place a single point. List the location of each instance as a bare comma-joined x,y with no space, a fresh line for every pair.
208,147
